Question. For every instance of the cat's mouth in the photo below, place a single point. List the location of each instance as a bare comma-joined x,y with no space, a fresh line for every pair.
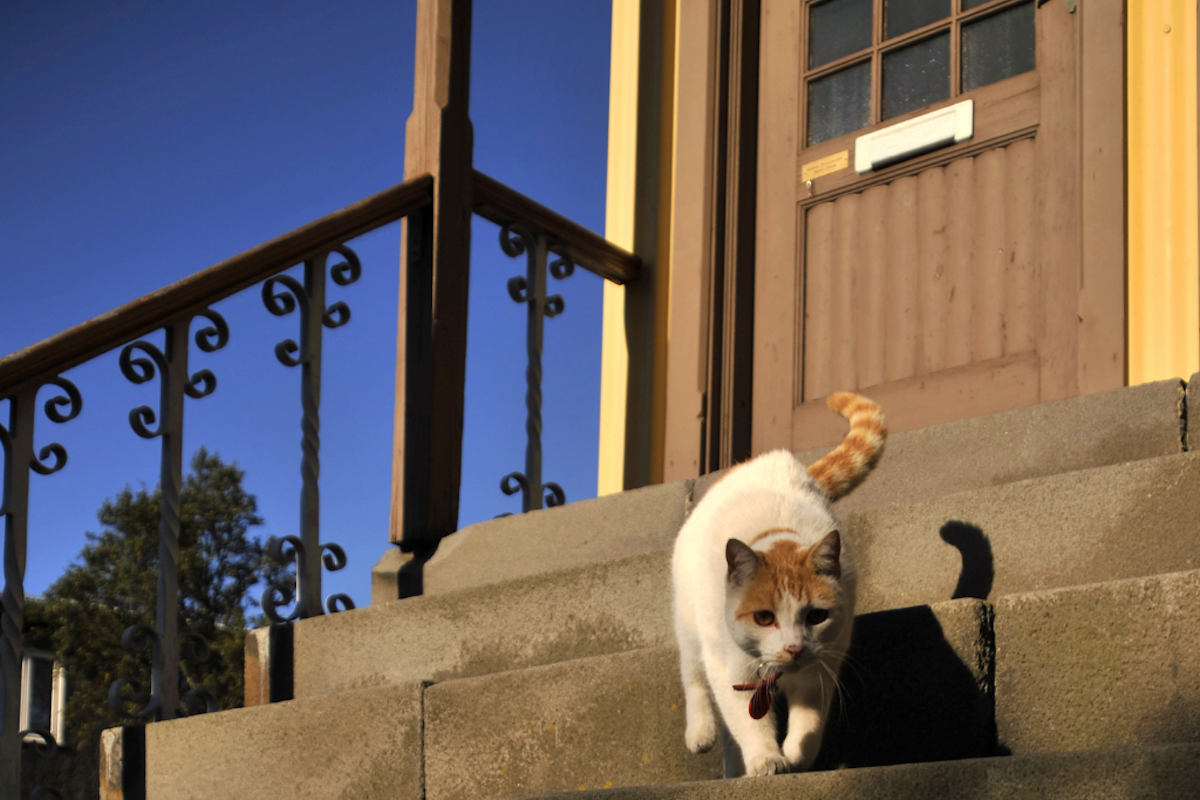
770,670
791,665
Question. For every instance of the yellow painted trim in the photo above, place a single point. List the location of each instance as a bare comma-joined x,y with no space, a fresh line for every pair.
634,344
1164,262
618,228
614,380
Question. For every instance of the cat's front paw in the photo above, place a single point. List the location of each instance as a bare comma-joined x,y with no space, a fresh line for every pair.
803,742
770,764
701,733
797,759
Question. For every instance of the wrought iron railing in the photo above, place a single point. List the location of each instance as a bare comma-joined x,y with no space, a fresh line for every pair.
551,243
174,309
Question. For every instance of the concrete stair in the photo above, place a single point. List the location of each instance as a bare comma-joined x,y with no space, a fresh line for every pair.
354,744
1109,428
1030,589
1108,665
1168,772
618,719
1105,523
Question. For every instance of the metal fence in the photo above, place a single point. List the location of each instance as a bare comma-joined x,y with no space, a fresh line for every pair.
552,245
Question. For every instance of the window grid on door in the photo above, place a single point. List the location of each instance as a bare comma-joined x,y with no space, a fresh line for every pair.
913,53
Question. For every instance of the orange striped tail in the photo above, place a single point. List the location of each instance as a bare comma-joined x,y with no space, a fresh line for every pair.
848,464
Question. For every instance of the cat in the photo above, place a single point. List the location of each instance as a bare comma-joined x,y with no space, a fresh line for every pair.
764,595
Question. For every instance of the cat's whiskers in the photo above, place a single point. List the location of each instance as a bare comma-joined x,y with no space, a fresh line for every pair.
755,671
843,660
860,670
821,681
843,707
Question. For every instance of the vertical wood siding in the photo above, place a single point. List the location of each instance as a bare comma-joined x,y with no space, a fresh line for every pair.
926,273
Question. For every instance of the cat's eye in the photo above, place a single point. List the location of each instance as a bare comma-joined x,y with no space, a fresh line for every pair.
817,615
764,618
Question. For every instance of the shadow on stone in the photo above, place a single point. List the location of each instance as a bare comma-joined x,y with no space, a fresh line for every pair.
908,696
400,573
978,564
410,582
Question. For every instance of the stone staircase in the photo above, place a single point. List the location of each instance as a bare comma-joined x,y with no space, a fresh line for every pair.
1030,627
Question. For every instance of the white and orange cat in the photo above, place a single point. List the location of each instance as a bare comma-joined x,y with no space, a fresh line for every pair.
764,595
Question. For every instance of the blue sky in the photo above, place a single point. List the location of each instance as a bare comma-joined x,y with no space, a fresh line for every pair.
145,140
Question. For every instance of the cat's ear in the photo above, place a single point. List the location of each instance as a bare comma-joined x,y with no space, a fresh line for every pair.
743,562
826,555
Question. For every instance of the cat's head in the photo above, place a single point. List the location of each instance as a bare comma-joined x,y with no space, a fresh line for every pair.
786,604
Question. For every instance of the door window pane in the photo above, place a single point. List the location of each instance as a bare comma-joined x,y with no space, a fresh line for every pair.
838,28
839,103
998,47
916,75
902,16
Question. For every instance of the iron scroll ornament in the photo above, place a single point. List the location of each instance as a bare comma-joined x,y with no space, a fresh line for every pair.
44,746
283,303
137,639
20,458
515,482
74,404
530,289
170,365
140,370
193,648
282,295
275,595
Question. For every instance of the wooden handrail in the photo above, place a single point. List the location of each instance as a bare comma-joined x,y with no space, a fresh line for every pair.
139,317
504,205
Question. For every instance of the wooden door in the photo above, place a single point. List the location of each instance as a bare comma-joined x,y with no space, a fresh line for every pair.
952,283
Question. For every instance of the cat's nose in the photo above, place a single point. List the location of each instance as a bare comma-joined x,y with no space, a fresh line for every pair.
794,650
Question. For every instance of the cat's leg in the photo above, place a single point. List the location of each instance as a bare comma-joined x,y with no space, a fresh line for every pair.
701,731
808,697
756,737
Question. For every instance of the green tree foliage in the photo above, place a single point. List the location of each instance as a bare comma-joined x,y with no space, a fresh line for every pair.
114,585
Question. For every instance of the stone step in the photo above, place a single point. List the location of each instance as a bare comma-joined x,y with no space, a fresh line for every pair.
365,744
609,607
617,720
1109,523
1093,667
1104,429
573,535
1170,772
1075,669
1102,666
1095,430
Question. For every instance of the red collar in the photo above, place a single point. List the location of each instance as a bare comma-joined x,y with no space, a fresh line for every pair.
764,691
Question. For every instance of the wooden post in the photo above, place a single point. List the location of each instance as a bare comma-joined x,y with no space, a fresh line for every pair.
434,272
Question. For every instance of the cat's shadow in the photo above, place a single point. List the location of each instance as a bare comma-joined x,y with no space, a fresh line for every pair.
907,695
978,564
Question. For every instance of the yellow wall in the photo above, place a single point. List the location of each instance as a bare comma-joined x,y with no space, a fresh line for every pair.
1164,267
618,229
638,209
